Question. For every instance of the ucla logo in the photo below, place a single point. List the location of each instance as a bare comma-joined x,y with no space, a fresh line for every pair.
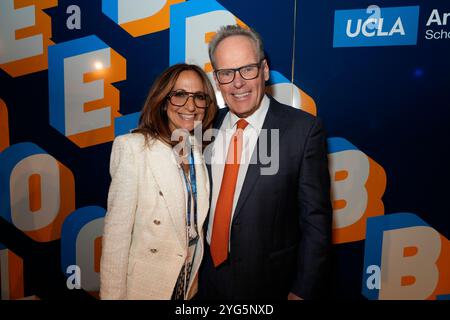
376,27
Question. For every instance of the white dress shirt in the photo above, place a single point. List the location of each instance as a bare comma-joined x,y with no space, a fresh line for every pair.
219,154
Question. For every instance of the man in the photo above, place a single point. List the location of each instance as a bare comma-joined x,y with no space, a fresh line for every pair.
269,235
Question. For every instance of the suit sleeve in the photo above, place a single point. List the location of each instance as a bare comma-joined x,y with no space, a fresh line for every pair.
313,198
119,220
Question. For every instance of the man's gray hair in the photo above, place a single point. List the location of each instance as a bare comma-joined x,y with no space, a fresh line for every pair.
235,30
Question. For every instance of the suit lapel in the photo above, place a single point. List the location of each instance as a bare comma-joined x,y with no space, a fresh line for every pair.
166,172
272,121
216,125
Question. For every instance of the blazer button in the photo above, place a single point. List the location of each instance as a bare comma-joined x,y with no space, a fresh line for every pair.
153,250
157,222
160,193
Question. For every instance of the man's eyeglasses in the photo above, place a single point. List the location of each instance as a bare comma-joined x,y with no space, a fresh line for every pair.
247,72
180,97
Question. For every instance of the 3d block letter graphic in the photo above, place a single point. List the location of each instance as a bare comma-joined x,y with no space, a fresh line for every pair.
192,25
35,203
11,275
413,257
139,17
410,276
198,35
81,245
349,194
25,33
83,102
357,184
4,126
11,265
38,192
288,93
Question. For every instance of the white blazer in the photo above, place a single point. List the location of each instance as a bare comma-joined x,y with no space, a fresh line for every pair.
144,240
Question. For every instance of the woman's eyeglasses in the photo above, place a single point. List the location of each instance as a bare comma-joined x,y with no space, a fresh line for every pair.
180,97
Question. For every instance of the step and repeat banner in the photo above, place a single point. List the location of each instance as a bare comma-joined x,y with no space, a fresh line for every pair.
75,74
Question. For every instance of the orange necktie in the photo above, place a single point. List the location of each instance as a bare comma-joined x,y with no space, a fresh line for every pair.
224,205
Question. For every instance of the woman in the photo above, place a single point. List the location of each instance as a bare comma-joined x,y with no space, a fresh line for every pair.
159,194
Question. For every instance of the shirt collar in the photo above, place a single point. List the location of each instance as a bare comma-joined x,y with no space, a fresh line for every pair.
255,120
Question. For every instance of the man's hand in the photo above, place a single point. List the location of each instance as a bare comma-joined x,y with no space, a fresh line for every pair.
293,296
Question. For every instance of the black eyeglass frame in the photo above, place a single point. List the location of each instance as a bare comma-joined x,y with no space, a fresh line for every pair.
258,64
189,94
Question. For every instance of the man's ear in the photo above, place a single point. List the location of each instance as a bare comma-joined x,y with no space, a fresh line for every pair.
266,70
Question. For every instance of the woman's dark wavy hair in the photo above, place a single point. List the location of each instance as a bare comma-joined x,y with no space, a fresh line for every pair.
153,121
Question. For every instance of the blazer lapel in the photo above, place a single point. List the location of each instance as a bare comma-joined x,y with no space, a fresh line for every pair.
203,187
166,172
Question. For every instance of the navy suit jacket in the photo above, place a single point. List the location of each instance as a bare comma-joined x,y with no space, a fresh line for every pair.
281,229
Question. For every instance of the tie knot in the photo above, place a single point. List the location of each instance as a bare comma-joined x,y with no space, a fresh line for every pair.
242,124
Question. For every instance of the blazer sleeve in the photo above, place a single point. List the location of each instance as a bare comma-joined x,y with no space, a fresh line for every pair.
119,220
313,196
